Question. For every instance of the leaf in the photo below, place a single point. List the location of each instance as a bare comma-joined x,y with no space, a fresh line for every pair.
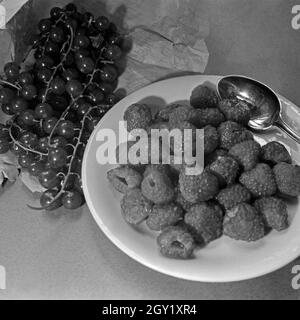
32,183
9,168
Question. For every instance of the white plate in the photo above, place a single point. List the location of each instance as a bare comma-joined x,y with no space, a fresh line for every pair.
222,260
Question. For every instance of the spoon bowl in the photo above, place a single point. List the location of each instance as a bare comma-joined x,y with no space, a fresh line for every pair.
265,102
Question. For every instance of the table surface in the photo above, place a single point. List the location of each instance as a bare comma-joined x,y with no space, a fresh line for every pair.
66,256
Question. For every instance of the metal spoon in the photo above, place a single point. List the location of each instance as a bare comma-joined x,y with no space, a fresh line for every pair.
267,105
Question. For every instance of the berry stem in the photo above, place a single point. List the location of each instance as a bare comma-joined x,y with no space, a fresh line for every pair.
63,115
48,35
80,121
7,83
73,156
71,39
19,144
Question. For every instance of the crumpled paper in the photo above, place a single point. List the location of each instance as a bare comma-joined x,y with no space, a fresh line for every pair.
11,8
8,168
167,36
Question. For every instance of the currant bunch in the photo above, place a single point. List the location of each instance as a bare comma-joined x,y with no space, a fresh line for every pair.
57,103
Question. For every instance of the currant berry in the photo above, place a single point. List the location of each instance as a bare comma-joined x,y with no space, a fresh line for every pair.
18,105
58,86
43,95
58,103
72,199
108,73
43,111
11,70
66,129
7,109
29,139
88,17
70,74
25,160
59,142
44,75
49,124
112,28
81,53
6,95
43,144
85,65
97,96
76,165
81,31
68,59
25,78
51,48
91,124
70,8
92,87
44,62
81,41
35,168
57,35
28,117
111,99
49,179
107,88
71,24
102,23
56,13
116,39
47,200
74,88
113,52
29,91
45,25
57,157
83,109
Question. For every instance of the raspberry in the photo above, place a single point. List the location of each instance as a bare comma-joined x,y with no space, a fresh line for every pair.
275,152
243,222
208,116
246,153
157,187
274,211
288,179
138,116
232,133
204,97
163,216
233,195
135,207
176,242
235,110
195,188
124,178
260,181
204,221
211,139
225,169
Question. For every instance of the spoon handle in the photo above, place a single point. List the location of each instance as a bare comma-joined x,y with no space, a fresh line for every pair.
282,125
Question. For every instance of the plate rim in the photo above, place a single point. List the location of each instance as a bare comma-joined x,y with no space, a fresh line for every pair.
131,253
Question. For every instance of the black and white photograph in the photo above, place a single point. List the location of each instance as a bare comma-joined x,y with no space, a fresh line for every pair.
149,151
